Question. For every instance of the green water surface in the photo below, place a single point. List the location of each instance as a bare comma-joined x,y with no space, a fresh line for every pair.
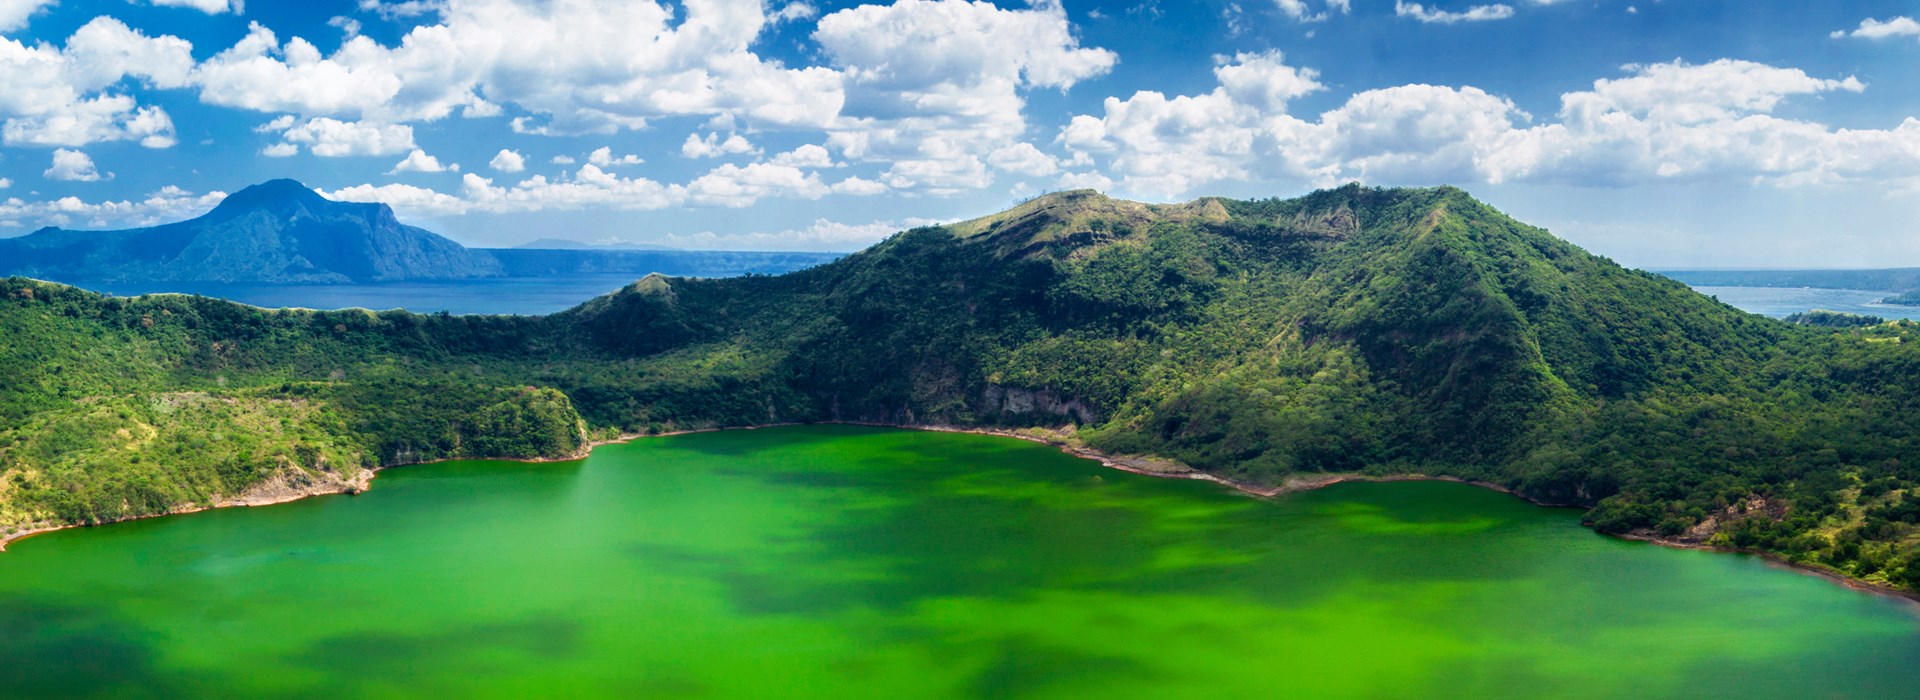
849,562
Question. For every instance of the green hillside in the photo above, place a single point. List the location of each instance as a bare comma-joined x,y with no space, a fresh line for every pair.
1352,330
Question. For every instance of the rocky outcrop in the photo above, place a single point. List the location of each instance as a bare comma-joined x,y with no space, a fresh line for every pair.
293,483
1019,401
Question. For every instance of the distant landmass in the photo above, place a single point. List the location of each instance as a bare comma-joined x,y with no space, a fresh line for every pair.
282,231
525,262
277,231
569,244
1907,299
1833,319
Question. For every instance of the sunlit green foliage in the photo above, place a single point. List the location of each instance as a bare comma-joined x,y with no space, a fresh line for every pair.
115,407
1907,299
1833,319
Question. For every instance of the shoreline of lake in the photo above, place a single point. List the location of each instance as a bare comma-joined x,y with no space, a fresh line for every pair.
1143,465
1300,484
253,498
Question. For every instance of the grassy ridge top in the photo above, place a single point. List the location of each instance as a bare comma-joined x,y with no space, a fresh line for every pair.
1355,329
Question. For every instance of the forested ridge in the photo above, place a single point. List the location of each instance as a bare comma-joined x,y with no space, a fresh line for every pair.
1351,330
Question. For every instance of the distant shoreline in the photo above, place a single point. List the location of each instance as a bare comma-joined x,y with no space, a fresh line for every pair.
1299,484
1773,559
1133,464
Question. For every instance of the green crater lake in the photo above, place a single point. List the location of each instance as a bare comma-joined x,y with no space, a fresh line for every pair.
840,562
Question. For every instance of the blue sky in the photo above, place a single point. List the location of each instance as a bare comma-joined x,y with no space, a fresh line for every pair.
1662,133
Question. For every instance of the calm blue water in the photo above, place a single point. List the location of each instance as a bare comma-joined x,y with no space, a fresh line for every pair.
512,295
1781,301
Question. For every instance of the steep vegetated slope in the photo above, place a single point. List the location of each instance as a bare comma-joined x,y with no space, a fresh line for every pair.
1383,331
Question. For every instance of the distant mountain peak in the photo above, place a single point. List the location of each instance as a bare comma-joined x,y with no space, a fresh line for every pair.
287,199
1077,221
275,231
273,192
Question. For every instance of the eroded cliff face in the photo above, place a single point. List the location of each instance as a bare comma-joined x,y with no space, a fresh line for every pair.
1024,402
293,483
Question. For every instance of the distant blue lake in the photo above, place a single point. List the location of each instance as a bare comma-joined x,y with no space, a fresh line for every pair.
509,295
1781,301
545,295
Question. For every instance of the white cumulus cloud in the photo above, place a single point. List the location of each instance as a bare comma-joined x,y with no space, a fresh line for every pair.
418,161
604,157
508,161
402,9
795,11
1023,158
805,156
587,188
1435,15
66,96
408,200
712,146
73,166
1173,145
15,13
821,235
1658,122
1086,181
1299,11
859,187
423,78
735,186
577,66
592,187
332,138
929,88
169,203
212,7
934,86
1871,28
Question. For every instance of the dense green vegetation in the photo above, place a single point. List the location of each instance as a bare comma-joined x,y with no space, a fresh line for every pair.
1907,299
115,407
1833,319
1384,331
